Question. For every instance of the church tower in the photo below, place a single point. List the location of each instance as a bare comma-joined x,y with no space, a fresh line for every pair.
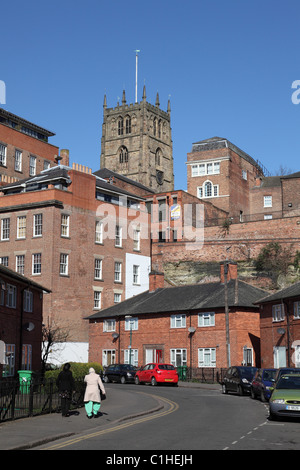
137,143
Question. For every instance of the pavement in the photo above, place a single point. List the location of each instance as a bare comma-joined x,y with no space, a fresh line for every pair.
29,433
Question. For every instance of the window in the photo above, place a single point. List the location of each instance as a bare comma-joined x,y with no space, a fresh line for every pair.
206,357
278,312
10,350
206,319
26,357
97,299
37,263
2,155
178,357
46,165
296,310
2,292
21,226
5,229
202,169
123,155
136,274
120,126
200,192
162,210
65,225
99,232
117,298
98,268
268,216
136,240
28,301
244,174
64,264
131,357
178,321
4,261
158,157
267,201
118,271
32,166
128,125
18,160
108,357
38,225
208,189
131,324
118,236
109,325
11,297
20,264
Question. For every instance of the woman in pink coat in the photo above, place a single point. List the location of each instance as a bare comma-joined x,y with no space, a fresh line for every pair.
92,399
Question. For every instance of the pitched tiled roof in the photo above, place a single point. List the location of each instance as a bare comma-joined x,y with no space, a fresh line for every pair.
184,298
288,292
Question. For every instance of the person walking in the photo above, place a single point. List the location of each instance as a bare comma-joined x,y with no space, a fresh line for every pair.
92,398
66,385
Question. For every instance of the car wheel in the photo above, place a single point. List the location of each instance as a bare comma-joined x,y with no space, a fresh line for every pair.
137,381
240,390
105,379
262,396
153,381
123,380
224,389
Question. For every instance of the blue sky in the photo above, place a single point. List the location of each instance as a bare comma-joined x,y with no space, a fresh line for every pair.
227,66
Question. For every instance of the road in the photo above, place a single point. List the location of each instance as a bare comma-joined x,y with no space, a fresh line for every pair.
190,420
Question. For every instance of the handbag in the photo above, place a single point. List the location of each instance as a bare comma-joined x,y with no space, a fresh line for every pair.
102,395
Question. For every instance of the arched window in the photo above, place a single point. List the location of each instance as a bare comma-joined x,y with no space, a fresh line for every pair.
123,155
154,126
208,189
120,126
158,157
159,129
128,125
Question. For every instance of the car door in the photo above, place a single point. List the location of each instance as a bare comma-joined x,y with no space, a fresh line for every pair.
143,373
235,379
227,378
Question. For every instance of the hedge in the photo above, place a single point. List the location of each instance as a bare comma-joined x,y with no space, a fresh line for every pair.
78,370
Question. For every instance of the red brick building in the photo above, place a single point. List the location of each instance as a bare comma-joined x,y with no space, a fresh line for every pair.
183,325
280,328
85,239
21,314
24,148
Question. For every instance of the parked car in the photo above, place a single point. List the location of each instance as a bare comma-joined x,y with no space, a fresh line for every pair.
155,373
261,383
238,379
119,373
285,399
286,370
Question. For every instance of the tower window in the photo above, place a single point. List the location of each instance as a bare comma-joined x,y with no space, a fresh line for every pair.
158,156
123,155
120,126
154,126
128,125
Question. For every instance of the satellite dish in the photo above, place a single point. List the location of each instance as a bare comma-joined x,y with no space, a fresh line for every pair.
281,331
29,326
115,335
192,329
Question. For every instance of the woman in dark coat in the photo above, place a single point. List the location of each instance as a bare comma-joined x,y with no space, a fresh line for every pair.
66,385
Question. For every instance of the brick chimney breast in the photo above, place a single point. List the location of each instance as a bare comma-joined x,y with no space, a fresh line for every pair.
231,272
156,280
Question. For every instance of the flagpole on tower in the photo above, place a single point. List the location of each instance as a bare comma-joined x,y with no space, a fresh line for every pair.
136,72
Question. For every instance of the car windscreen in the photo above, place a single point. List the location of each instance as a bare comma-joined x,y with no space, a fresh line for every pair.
269,374
288,383
247,372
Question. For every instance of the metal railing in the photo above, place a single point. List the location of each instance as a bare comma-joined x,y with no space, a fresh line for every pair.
21,400
201,374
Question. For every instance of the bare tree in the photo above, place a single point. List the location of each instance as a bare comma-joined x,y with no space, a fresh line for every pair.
51,335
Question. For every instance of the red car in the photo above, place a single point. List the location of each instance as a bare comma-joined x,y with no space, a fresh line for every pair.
157,373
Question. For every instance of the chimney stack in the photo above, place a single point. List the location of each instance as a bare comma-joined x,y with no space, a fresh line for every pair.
231,270
156,280
64,156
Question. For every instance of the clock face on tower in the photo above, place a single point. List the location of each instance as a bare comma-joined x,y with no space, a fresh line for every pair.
159,176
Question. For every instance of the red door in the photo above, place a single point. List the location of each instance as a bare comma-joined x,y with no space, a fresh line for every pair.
158,355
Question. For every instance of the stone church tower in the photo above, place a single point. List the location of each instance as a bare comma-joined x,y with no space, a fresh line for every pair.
136,142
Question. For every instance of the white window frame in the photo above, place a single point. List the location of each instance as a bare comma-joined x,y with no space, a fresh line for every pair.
105,354
206,357
204,169
206,319
134,356
64,264
99,232
18,160
268,201
109,325
244,175
136,280
118,271
137,239
97,299
277,312
65,225
296,310
21,226
118,236
38,225
117,297
3,155
178,357
178,321
268,216
36,264
131,324
5,228
32,165
98,268
20,264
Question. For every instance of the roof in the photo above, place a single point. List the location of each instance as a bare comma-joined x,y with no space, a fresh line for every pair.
17,119
184,298
4,271
287,292
106,173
